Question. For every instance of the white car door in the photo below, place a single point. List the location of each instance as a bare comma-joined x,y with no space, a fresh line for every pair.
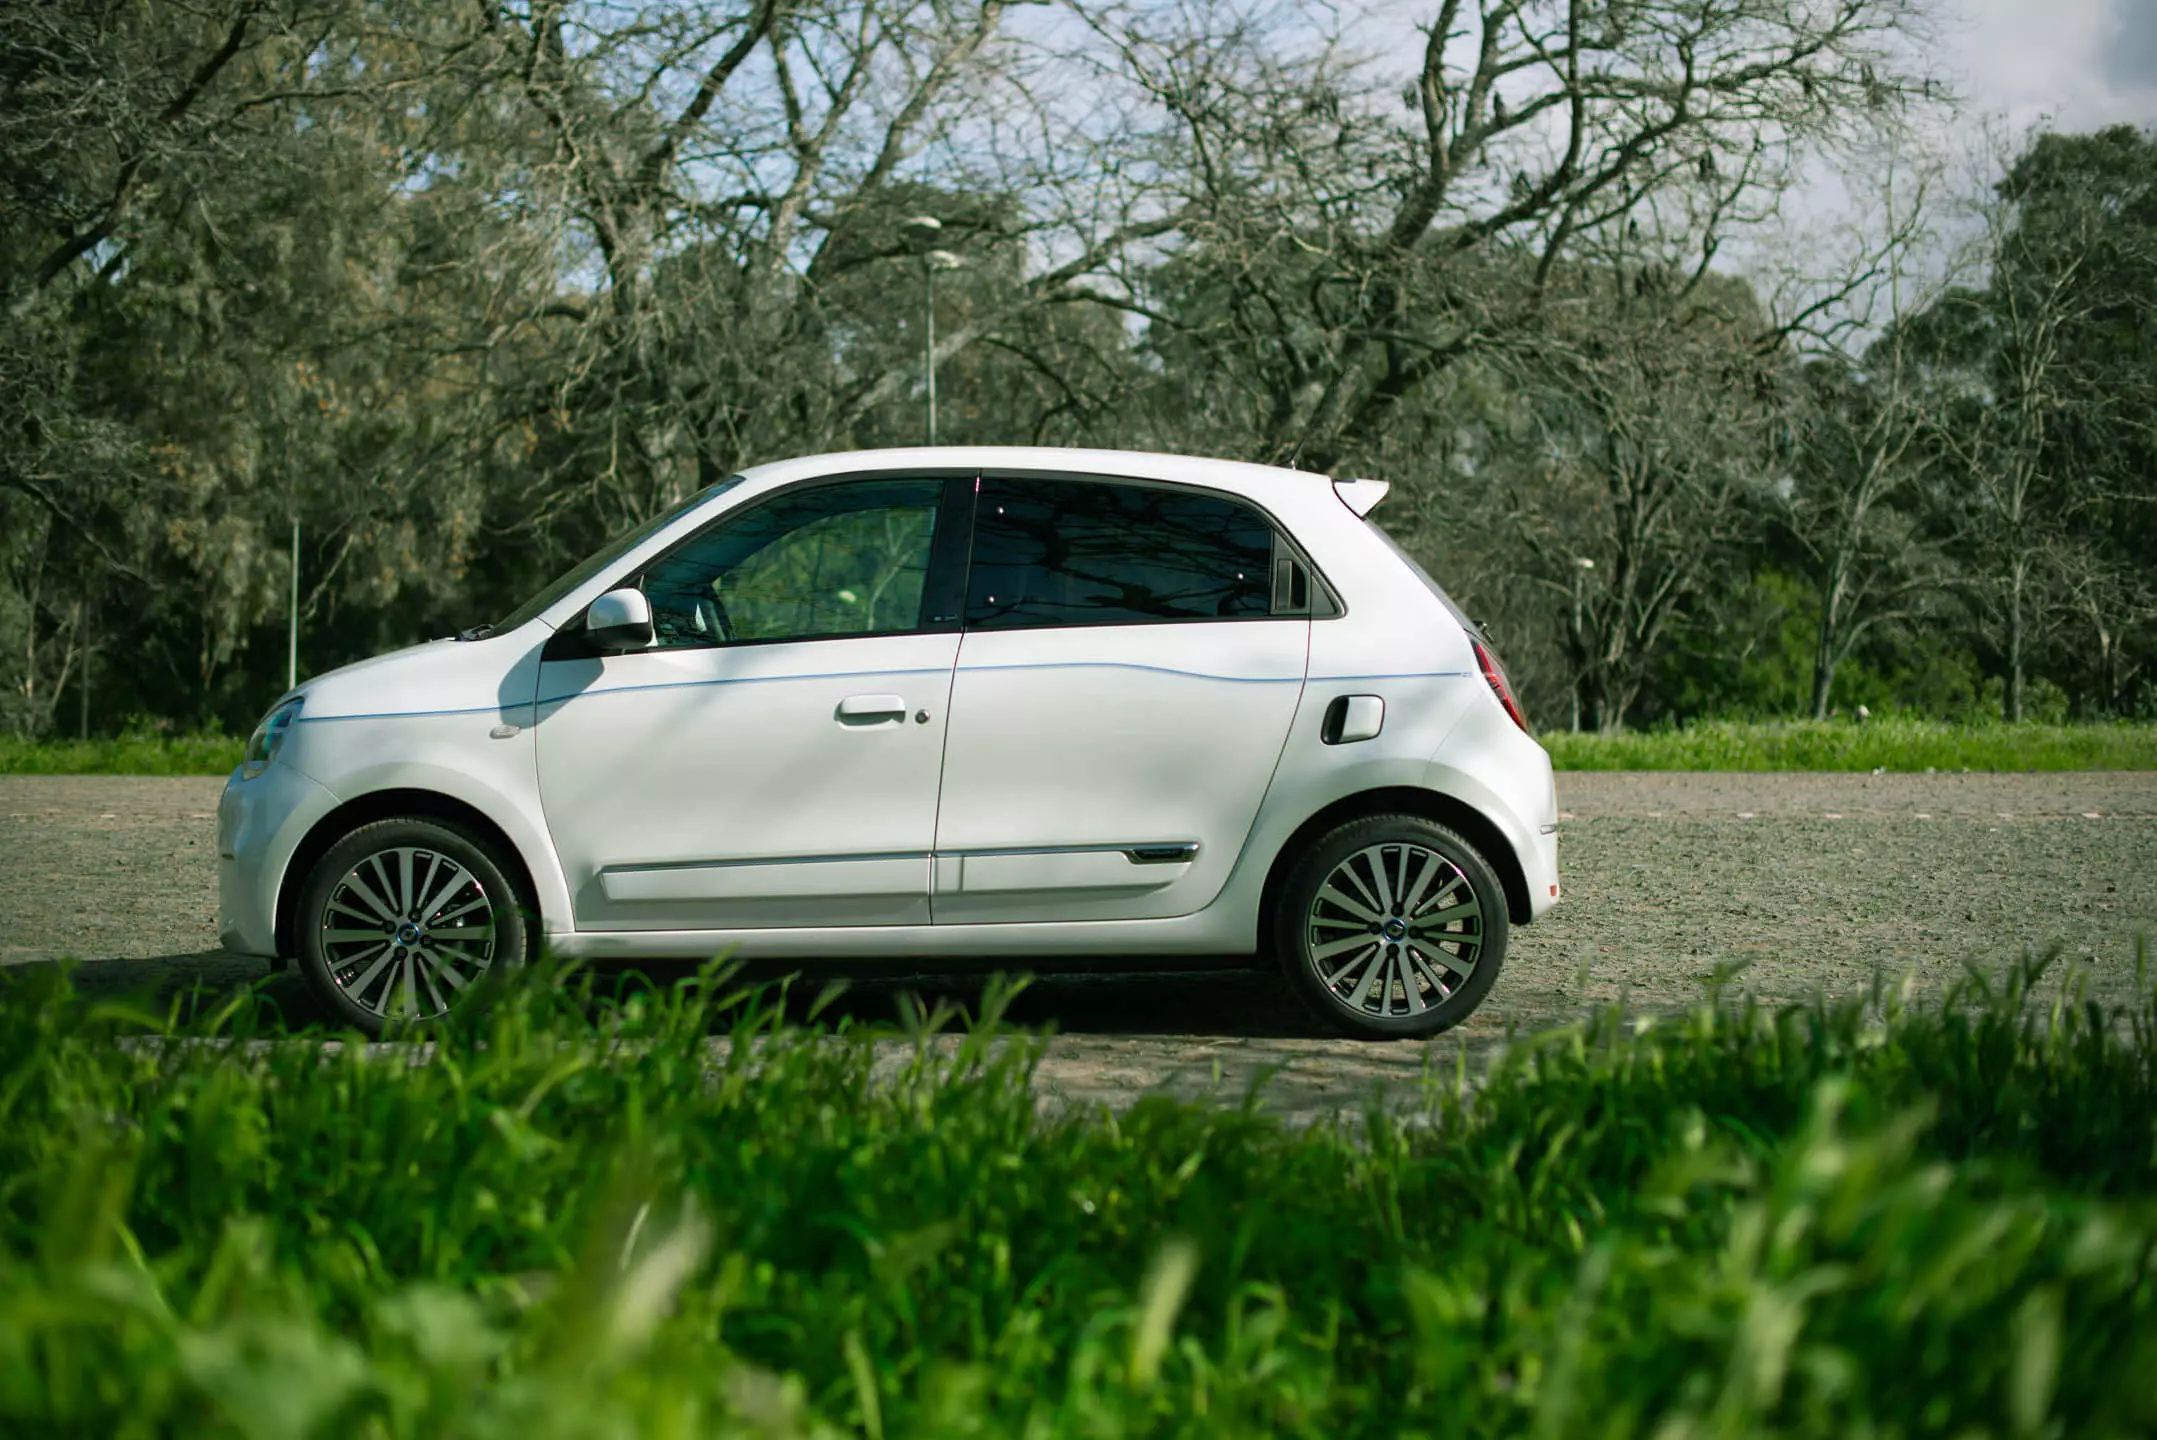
1123,691
773,758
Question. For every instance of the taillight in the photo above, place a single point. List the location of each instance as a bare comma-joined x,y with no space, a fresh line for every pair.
1499,686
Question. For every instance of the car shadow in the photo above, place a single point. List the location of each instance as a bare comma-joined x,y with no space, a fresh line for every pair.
1167,998
1180,997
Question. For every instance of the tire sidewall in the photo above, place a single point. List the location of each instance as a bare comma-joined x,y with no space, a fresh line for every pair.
1318,861
512,929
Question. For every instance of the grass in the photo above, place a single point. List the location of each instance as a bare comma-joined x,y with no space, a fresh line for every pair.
570,1219
1890,743
133,754
1887,743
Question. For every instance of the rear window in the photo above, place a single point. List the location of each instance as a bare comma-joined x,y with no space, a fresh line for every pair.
1087,552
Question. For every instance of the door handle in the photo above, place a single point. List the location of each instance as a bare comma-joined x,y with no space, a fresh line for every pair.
872,707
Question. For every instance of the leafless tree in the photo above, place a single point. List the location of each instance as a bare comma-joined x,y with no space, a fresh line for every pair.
1861,404
1355,253
2004,376
1650,421
757,202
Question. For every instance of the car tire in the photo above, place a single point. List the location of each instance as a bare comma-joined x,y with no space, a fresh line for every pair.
1390,927
443,914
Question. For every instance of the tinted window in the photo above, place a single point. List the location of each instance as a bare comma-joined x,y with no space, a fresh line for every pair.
1083,552
849,559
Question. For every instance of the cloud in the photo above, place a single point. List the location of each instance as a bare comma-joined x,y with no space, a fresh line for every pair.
2131,57
2082,64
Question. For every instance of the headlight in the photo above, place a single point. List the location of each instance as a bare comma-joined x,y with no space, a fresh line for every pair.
269,738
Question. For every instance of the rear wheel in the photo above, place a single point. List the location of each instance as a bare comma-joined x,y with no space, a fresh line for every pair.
402,918
1391,927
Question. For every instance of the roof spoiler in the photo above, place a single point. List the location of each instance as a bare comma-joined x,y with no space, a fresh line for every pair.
1361,496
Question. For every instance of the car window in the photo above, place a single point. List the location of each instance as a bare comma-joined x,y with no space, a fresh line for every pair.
1087,552
846,559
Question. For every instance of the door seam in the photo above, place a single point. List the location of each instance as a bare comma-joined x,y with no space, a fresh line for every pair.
951,686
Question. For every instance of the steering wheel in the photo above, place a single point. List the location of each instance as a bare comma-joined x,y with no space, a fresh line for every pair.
712,619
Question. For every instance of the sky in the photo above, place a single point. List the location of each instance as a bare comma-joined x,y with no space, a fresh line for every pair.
2082,63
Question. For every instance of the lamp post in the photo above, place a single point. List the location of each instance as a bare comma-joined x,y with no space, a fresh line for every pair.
923,230
932,262
1581,566
292,636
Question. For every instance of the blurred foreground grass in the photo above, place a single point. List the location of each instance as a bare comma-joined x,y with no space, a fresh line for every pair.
574,1218
1892,743
1889,742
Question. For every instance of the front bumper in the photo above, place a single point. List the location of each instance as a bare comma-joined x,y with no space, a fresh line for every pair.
260,822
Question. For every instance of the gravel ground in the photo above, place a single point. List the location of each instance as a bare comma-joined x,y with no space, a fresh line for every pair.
1809,881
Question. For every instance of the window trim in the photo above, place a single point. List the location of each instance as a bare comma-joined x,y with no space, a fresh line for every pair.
959,485
1283,540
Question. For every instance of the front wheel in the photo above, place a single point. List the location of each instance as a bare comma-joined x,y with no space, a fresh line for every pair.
1391,927
402,918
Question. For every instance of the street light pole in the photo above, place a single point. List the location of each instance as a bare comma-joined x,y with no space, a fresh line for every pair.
292,636
1581,566
922,230
932,262
928,329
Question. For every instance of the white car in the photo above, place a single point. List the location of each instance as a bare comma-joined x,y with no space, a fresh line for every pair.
913,704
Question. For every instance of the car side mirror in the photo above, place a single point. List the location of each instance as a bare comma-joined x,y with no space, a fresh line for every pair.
619,620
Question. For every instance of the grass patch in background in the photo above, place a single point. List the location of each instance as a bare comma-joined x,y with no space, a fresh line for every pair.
134,754
1892,743
573,1220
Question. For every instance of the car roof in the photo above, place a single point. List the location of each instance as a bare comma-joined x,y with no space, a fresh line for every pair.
1238,475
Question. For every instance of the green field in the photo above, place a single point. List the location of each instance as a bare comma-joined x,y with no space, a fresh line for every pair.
571,1220
1887,743
122,755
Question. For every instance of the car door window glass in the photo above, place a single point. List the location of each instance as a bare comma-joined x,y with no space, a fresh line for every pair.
849,559
1085,552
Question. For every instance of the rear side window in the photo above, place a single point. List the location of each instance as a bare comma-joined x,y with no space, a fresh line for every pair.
1088,552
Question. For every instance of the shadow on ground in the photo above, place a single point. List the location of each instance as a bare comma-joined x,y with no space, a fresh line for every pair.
1226,1000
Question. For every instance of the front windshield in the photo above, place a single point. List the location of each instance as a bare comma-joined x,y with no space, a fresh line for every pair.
607,554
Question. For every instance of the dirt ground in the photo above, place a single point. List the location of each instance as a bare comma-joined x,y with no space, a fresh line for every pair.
1809,881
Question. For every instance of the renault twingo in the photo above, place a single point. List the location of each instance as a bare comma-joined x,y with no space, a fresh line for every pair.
915,704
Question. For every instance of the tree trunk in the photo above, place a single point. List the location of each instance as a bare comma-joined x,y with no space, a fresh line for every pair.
2011,706
1823,659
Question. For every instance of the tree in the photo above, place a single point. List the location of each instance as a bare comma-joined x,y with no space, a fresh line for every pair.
2084,228
460,289
111,120
1650,419
2050,367
1353,252
1859,409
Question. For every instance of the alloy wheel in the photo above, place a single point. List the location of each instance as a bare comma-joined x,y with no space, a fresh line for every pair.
405,931
1395,930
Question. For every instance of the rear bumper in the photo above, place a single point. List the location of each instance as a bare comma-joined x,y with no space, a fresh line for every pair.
1489,763
1539,867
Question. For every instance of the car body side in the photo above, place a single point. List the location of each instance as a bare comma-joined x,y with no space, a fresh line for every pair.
449,728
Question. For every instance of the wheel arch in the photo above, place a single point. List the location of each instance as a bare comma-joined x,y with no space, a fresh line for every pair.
1450,811
393,805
